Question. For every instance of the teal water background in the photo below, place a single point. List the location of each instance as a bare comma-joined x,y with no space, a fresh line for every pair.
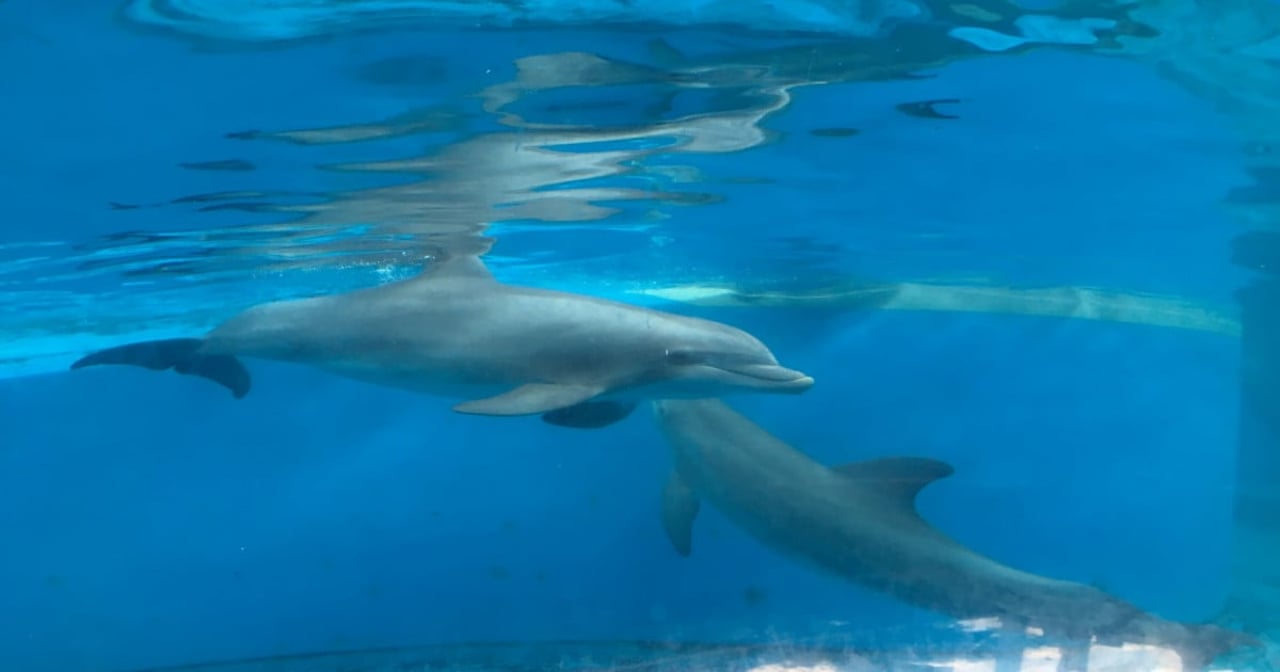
152,520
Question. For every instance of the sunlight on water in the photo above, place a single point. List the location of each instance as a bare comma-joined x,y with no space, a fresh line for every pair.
1031,243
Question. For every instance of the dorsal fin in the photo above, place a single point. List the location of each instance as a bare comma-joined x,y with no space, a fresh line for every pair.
456,256
898,479
459,266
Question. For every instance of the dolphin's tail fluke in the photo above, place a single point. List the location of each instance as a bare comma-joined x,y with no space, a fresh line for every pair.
180,354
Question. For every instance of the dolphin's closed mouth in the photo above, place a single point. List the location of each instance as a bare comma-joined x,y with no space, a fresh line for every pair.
778,377
797,385
805,382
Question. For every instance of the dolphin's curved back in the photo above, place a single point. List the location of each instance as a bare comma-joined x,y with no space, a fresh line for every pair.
859,521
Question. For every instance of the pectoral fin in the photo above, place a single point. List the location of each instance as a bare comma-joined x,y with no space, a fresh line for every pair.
589,414
679,509
530,399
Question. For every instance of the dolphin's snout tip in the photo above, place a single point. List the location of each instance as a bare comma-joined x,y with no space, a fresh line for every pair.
774,375
782,379
800,384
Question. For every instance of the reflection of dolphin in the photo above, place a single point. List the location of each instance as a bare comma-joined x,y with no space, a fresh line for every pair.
859,521
456,331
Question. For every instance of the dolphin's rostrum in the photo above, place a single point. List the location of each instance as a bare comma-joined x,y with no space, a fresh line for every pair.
456,331
859,521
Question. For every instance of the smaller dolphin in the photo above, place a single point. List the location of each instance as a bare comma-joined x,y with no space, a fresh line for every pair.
859,522
456,331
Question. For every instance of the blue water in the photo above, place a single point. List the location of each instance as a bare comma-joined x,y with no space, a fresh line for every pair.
149,519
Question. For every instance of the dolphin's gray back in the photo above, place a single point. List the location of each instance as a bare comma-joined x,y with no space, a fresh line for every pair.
808,510
435,330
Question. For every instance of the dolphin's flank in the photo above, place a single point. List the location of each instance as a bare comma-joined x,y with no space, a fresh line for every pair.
504,350
859,521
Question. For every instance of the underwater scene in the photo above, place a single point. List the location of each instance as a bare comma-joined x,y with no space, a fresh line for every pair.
643,335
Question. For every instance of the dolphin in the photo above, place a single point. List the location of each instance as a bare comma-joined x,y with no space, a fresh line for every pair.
456,331
859,521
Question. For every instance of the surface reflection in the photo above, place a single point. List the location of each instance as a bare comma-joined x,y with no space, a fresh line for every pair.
570,140
543,168
550,163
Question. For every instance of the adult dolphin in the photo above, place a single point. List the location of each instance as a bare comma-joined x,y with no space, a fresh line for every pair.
859,521
456,331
